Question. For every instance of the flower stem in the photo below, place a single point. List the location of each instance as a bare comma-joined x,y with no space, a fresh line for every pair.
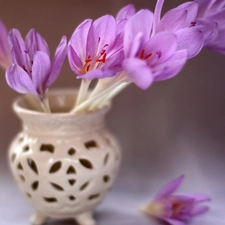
112,94
89,101
101,85
45,104
82,94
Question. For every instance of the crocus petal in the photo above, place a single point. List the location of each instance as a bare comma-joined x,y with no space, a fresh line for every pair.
18,44
79,39
218,17
126,12
198,210
163,44
141,23
102,33
171,67
208,28
40,71
169,188
208,7
138,72
173,221
190,39
92,74
218,44
179,17
74,60
115,62
19,80
57,61
5,56
157,14
196,197
35,42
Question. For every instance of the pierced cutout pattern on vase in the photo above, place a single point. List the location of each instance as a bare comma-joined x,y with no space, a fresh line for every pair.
80,170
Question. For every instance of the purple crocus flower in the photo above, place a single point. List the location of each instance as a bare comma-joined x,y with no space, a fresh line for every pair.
5,56
211,16
181,21
32,71
149,59
94,49
176,209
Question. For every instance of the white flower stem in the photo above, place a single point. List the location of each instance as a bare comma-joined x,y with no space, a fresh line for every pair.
101,85
45,104
106,98
83,92
89,101
112,94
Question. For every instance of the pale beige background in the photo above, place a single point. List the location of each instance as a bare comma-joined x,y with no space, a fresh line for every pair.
175,127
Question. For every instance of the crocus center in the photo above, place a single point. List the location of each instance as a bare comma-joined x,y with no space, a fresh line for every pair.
95,62
28,66
176,208
150,58
155,209
145,56
193,24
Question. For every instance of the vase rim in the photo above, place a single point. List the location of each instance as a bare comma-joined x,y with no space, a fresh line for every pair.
19,109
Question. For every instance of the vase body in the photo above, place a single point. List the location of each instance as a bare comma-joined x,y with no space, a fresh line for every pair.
65,164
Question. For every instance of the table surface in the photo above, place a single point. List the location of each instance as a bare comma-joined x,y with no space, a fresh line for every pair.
119,208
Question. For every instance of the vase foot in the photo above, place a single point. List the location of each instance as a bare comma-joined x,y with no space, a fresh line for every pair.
85,219
38,219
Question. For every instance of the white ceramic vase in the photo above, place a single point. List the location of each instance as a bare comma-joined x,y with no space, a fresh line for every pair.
65,164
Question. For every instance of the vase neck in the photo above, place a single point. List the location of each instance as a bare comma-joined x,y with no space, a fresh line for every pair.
64,127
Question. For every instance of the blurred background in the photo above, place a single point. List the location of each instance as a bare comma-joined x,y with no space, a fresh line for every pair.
175,127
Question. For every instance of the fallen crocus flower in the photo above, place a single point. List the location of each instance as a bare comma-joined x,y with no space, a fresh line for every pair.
176,209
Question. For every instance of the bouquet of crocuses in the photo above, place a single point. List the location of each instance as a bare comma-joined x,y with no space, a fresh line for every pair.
135,47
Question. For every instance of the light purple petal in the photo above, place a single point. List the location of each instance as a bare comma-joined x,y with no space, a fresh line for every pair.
218,17
35,42
74,60
102,34
169,188
40,71
135,45
161,46
218,44
57,61
121,26
171,67
117,45
126,12
140,23
190,39
196,197
92,74
198,210
5,56
173,221
179,17
115,62
209,7
79,39
208,28
138,72
157,14
19,47
19,80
